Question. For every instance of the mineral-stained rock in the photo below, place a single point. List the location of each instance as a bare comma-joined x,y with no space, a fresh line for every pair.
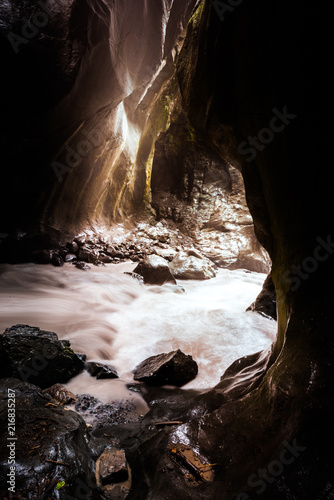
190,267
173,368
155,271
111,466
100,370
60,394
51,443
37,356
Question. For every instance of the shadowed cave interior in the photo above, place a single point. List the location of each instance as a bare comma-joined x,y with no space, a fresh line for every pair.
168,129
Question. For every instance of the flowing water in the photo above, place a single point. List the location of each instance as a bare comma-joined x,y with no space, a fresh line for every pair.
112,317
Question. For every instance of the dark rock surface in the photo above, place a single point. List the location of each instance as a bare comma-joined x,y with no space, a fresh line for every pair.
37,356
52,446
99,414
173,368
155,271
265,302
100,370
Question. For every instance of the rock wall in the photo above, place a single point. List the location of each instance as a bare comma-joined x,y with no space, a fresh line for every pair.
81,108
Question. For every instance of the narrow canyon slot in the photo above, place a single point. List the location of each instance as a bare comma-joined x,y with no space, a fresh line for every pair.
166,251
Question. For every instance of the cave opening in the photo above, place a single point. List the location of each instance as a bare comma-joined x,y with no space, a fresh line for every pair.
160,162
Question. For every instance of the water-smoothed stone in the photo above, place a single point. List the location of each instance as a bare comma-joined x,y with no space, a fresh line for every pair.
70,257
81,265
88,254
106,259
173,368
100,370
37,356
155,271
72,246
187,266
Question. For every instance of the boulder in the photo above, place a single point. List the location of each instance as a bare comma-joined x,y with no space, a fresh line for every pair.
154,270
72,246
70,257
100,370
87,254
189,266
173,368
60,394
250,263
57,260
37,356
43,256
111,467
52,447
81,265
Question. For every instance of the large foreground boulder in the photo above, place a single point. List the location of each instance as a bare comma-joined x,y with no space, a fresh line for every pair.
188,266
155,271
37,356
173,368
48,454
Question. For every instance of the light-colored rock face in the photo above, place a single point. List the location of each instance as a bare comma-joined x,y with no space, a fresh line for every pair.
87,132
191,267
91,149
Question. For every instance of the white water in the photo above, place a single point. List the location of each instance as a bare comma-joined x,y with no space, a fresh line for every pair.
110,316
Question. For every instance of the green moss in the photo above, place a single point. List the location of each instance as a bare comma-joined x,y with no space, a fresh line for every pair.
191,136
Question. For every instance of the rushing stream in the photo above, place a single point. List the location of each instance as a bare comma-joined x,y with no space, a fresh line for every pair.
110,316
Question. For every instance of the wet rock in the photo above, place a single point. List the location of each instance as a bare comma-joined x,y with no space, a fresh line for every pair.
111,467
173,368
187,266
43,256
106,259
60,394
99,414
70,257
87,254
265,302
80,240
98,263
135,276
155,271
110,251
37,356
72,246
81,265
49,438
100,370
57,260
